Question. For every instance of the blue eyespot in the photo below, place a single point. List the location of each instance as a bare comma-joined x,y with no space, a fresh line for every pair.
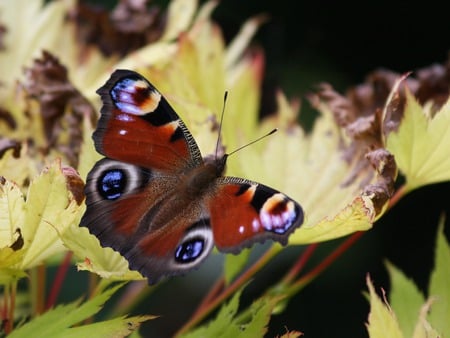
112,184
189,250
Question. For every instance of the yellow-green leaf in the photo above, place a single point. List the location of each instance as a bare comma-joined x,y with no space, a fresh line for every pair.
17,169
105,262
12,208
61,321
311,169
49,205
252,322
406,300
423,328
180,16
382,322
421,145
440,285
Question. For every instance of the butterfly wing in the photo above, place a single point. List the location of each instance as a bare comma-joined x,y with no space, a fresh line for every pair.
131,193
138,126
131,210
243,212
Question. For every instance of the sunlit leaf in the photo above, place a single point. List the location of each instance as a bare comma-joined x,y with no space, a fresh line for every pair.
406,300
105,262
228,323
60,321
423,328
17,168
12,206
382,322
29,225
48,205
119,327
223,323
337,197
439,289
422,144
180,15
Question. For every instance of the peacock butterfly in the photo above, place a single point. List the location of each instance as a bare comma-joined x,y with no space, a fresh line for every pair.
154,199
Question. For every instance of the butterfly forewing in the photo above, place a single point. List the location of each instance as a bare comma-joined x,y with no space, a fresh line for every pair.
138,126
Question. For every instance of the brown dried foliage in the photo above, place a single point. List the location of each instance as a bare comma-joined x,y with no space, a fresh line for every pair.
129,26
62,107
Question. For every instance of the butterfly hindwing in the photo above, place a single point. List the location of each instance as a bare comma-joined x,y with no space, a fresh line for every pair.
129,209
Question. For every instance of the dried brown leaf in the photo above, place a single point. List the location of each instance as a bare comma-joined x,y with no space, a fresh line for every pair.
365,119
74,183
130,25
62,107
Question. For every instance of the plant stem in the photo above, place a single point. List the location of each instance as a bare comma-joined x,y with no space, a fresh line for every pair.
37,289
12,306
134,293
213,292
399,193
299,264
307,278
59,279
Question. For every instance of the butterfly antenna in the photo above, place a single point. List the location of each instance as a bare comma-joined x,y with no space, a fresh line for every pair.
254,141
219,134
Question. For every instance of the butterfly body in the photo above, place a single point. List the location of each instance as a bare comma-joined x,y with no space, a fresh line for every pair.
154,199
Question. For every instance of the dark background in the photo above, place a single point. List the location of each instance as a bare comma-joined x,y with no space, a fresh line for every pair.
307,42
340,43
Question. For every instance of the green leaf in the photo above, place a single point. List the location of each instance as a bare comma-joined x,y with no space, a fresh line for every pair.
58,322
261,311
12,206
48,205
440,285
252,323
422,144
16,169
423,328
382,321
406,300
118,327
234,264
103,261
222,325
179,17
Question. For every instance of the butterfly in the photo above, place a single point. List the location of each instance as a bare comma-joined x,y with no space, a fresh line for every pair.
156,201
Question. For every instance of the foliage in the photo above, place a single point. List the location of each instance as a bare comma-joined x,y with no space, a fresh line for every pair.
411,315
343,172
